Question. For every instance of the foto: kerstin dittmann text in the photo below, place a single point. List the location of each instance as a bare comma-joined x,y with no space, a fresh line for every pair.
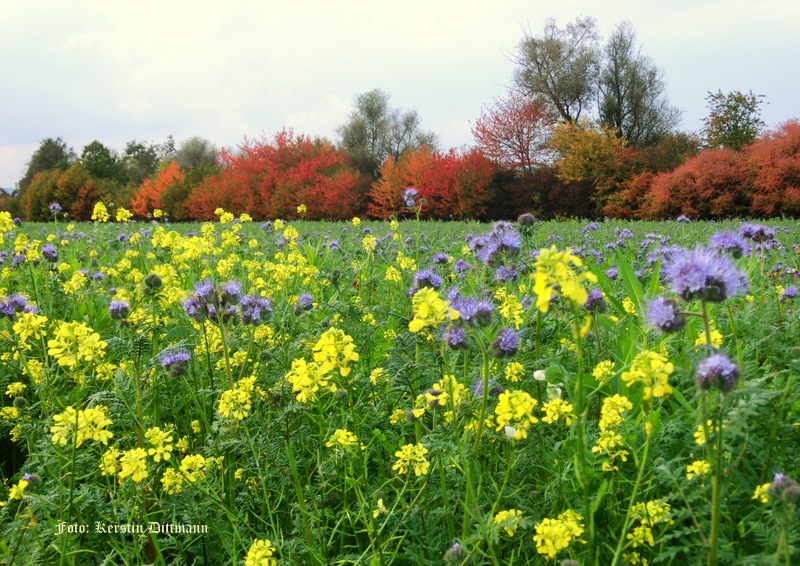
150,528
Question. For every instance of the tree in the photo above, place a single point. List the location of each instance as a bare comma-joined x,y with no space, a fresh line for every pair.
514,132
140,159
148,196
73,188
51,154
102,163
632,92
560,67
374,131
734,119
196,152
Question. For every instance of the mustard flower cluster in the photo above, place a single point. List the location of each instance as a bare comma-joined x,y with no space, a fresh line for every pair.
161,444
652,370
554,535
430,310
335,350
646,516
447,392
82,425
509,520
261,553
609,442
342,439
100,213
557,409
514,413
560,270
236,403
307,378
75,342
411,457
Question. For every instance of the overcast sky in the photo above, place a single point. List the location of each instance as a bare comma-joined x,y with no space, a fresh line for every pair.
117,71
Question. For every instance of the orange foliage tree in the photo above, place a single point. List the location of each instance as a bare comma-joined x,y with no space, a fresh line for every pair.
452,184
147,197
73,189
774,160
271,178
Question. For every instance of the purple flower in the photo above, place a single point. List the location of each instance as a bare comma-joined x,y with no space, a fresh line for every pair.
175,363
612,273
502,240
664,314
730,242
757,232
255,309
595,301
54,207
440,258
505,273
410,197
683,218
455,337
230,293
426,278
305,302
789,293
717,371
494,388
702,274
50,253
473,310
461,266
119,310
506,343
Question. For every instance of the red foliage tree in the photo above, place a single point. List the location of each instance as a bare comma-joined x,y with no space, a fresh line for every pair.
73,189
775,162
514,132
714,184
452,184
148,195
270,179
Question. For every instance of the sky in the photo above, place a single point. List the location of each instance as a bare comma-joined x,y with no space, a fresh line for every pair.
114,72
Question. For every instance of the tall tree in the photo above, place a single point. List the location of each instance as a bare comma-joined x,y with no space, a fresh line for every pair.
375,130
195,152
514,132
734,119
560,67
51,154
103,163
632,92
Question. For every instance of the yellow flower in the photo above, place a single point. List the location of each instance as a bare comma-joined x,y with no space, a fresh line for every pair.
554,268
380,508
132,464
89,424
18,491
429,310
342,439
75,342
509,520
761,493
123,215
628,306
194,467
652,370
514,372
172,481
161,441
556,408
260,554
554,535
411,456
29,325
603,370
9,413
697,468
370,243
379,375
335,350
16,388
356,221
515,410
307,378
109,462
100,212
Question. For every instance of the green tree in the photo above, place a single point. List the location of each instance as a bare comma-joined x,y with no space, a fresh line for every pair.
195,152
103,163
51,154
632,92
375,130
140,160
560,67
734,119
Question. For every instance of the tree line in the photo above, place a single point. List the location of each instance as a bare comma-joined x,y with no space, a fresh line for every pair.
586,130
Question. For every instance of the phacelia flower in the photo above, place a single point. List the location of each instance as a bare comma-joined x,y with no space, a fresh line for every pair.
717,371
595,301
506,343
702,274
410,197
175,362
119,310
730,242
663,313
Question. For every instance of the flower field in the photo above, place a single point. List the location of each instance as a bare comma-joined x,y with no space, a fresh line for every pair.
399,392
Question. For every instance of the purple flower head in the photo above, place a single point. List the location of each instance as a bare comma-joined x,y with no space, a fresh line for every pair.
174,362
119,310
473,310
757,232
54,207
461,266
440,258
494,389
426,278
502,240
717,371
683,218
731,243
50,253
230,293
410,197
612,273
505,273
789,293
305,302
255,309
122,238
506,343
455,337
664,314
15,303
702,274
595,301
